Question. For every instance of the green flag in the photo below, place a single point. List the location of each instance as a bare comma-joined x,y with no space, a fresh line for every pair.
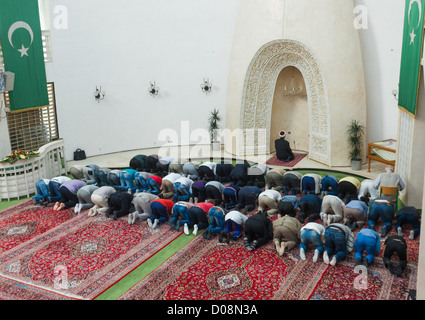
20,37
411,55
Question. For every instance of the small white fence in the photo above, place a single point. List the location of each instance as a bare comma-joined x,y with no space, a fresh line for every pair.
18,180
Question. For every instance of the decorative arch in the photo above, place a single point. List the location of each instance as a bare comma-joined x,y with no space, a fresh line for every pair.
257,99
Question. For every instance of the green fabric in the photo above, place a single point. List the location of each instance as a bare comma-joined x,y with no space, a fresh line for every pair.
4,204
336,174
411,55
144,269
20,37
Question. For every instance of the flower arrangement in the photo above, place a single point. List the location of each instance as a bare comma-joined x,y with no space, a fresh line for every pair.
19,155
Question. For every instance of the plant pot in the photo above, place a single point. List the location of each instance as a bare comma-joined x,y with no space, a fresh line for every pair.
356,164
216,145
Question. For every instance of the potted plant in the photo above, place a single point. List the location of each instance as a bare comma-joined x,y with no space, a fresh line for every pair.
355,132
213,121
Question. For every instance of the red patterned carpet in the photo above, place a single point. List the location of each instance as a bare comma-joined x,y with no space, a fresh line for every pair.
273,161
79,259
207,270
24,221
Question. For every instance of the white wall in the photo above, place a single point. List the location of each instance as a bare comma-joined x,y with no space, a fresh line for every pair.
124,45
381,48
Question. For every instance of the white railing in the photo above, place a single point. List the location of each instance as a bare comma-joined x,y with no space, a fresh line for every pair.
18,180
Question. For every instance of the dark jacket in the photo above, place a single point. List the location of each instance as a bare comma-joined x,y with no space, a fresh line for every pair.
120,204
283,150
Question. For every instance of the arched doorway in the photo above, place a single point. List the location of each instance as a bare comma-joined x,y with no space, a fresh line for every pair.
259,90
289,110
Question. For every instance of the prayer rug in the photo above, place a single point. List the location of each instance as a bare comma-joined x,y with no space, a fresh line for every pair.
84,256
274,161
208,270
14,290
25,221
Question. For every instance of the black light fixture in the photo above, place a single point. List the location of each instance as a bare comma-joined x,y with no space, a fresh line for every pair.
153,89
99,94
206,86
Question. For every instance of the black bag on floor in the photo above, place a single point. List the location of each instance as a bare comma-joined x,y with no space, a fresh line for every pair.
79,154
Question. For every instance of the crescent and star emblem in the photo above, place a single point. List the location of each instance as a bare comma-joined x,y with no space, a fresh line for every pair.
419,3
21,25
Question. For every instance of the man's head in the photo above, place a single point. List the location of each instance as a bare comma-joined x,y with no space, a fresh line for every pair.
389,169
282,134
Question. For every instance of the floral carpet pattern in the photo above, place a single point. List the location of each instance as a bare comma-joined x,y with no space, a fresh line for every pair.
25,221
82,257
208,270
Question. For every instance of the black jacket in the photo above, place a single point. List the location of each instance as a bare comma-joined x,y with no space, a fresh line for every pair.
283,150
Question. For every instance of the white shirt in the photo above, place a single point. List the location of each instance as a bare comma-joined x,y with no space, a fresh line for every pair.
172,177
211,165
236,217
273,194
186,181
61,179
314,226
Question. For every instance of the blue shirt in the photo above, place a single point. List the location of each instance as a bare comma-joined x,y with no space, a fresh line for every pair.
253,189
374,234
293,199
331,182
312,198
357,204
131,172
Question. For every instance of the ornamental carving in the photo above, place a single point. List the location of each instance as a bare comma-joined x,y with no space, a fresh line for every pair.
259,89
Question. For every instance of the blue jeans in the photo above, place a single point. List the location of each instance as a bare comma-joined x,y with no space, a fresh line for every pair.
141,182
362,243
42,191
181,192
101,178
159,211
230,197
335,242
55,194
216,220
228,228
309,185
183,211
114,179
330,182
380,210
153,186
126,180
409,219
199,217
312,236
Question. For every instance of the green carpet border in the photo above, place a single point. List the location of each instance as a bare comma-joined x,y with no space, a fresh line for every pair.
156,260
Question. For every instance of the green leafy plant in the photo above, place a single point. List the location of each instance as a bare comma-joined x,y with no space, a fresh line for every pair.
19,155
213,121
355,132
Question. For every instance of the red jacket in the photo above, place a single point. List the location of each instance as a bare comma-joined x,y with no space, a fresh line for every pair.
157,179
167,203
206,206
